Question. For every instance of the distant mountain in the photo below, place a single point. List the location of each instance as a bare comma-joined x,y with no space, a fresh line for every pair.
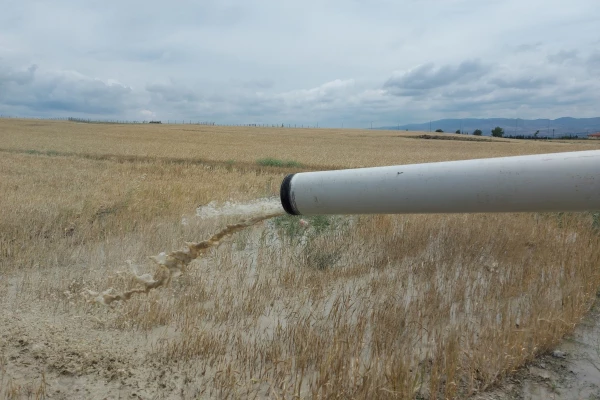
547,127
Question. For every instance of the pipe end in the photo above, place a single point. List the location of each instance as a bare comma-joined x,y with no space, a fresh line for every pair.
286,196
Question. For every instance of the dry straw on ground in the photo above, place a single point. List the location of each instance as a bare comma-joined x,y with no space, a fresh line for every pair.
173,264
348,307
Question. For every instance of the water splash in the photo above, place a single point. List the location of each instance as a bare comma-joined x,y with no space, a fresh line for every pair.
270,205
173,264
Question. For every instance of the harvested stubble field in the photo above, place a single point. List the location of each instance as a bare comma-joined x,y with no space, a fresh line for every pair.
426,306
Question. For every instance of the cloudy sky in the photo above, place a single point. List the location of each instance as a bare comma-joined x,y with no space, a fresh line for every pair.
330,62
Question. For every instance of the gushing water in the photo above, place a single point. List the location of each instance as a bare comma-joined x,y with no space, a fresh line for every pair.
173,264
265,206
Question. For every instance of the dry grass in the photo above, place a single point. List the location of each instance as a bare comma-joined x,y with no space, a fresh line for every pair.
314,147
348,307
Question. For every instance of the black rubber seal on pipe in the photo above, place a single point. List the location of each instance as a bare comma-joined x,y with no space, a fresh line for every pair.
286,196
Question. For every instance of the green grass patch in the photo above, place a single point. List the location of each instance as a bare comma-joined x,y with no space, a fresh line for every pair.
274,162
318,243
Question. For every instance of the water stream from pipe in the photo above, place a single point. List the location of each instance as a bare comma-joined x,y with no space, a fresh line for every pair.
173,264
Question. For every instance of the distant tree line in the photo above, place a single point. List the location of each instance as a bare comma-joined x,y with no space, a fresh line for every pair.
496,132
526,137
499,132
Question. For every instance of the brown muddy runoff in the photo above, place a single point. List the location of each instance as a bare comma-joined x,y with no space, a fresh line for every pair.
173,264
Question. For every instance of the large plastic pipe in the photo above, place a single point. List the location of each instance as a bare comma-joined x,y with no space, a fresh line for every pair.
543,182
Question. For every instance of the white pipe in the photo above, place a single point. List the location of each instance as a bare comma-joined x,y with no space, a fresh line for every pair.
543,182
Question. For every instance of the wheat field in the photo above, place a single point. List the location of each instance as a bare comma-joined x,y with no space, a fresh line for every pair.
398,307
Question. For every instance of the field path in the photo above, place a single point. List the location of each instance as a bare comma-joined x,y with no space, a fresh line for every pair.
570,372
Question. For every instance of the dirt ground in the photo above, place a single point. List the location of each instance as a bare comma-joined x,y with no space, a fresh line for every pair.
70,356
571,371
41,358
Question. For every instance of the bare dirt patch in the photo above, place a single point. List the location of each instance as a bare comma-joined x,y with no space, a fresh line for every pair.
571,371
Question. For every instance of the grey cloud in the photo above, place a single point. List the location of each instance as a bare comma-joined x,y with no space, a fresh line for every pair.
172,92
234,61
329,92
513,99
575,90
20,76
528,47
176,100
326,102
146,54
334,102
499,100
427,77
258,84
524,83
562,56
532,90
468,92
593,61
46,93
81,96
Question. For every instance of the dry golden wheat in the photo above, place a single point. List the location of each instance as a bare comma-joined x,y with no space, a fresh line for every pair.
342,307
245,145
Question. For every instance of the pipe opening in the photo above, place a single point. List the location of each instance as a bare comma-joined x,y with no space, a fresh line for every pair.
286,196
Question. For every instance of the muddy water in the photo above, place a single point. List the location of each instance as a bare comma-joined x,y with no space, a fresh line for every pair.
173,264
265,206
